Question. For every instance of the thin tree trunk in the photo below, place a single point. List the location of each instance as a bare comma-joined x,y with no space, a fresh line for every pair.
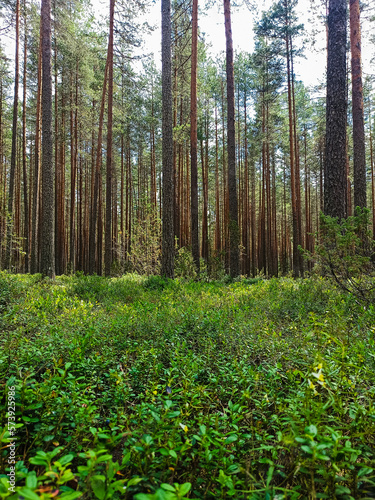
217,190
36,184
25,194
108,205
359,149
193,139
12,172
97,181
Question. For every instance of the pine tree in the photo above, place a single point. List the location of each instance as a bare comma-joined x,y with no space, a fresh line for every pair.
47,241
234,232
335,186
359,149
167,263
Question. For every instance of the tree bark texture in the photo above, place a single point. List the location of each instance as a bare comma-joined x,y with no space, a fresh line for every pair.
14,147
24,163
47,241
194,139
234,233
167,257
335,184
359,149
34,264
108,205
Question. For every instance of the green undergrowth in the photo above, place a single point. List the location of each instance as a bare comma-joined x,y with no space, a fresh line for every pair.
147,388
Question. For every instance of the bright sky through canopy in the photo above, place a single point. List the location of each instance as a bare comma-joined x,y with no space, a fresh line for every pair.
211,23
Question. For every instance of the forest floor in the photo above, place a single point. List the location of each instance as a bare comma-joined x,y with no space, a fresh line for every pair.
142,388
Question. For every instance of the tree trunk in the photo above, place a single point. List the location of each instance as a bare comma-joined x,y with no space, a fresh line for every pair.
359,149
217,190
47,242
335,185
97,181
14,147
108,205
193,138
34,265
231,141
25,195
167,256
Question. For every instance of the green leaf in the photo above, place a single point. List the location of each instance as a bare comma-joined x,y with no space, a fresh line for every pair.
364,471
134,480
98,487
233,469
185,488
38,461
70,495
173,454
49,437
270,475
28,494
341,490
104,458
231,439
167,487
31,480
173,414
66,459
311,430
202,429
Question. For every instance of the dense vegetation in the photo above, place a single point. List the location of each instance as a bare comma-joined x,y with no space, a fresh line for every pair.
256,389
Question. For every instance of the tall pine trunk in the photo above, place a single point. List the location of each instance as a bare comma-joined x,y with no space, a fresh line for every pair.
167,254
24,165
234,233
47,241
194,139
34,264
108,205
12,172
359,149
335,185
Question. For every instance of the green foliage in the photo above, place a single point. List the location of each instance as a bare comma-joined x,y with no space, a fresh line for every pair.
347,254
184,264
158,389
144,256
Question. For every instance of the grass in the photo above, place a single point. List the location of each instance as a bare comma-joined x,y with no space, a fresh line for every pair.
153,389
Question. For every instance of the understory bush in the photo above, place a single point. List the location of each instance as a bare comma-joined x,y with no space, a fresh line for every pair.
346,253
158,389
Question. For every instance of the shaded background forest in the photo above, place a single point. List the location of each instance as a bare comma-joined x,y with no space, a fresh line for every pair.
280,143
